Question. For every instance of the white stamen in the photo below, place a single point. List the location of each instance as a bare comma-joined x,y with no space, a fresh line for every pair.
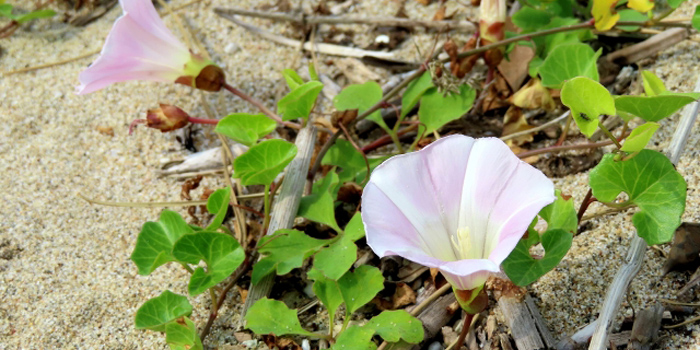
462,243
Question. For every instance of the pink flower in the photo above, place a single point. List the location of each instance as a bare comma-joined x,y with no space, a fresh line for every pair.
141,47
459,205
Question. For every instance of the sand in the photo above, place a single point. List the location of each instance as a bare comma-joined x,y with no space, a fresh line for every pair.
66,281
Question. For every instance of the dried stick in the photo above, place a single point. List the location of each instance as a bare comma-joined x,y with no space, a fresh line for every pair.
287,204
465,26
635,254
537,128
328,49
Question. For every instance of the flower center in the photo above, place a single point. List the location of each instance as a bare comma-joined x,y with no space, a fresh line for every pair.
462,244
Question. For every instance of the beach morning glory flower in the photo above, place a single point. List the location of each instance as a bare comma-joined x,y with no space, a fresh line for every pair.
141,47
459,205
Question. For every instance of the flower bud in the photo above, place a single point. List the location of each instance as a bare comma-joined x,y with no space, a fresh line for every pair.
202,74
166,118
492,20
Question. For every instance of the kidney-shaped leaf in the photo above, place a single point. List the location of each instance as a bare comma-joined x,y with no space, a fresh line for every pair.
156,312
651,182
299,102
263,162
154,245
217,205
246,128
436,109
319,206
639,137
360,286
273,316
520,266
569,61
588,100
284,251
654,108
414,92
361,97
395,325
181,336
221,252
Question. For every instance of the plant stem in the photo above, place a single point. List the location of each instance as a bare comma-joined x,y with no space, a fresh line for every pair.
202,121
188,268
215,310
610,135
272,115
160,204
465,329
563,148
584,205
267,207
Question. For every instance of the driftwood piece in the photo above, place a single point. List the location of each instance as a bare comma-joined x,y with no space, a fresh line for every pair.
649,47
635,254
200,161
328,49
526,324
287,204
300,18
645,328
577,339
434,317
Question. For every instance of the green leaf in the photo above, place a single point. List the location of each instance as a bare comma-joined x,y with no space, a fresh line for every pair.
695,21
654,108
284,251
361,97
154,245
530,19
437,110
327,291
273,316
261,164
631,15
355,229
292,78
640,136
588,100
6,11
336,259
652,84
182,336
568,61
359,287
560,214
156,312
35,15
319,206
221,252
246,128
562,223
355,338
312,72
675,3
414,92
345,156
523,269
299,102
217,205
395,325
553,41
651,182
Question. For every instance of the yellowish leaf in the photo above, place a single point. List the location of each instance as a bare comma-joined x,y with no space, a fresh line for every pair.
534,95
641,5
604,14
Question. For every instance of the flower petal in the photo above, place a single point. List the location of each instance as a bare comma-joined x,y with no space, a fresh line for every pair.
410,202
145,16
470,273
136,51
500,198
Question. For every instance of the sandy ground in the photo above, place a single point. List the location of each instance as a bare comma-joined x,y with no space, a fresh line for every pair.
66,281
